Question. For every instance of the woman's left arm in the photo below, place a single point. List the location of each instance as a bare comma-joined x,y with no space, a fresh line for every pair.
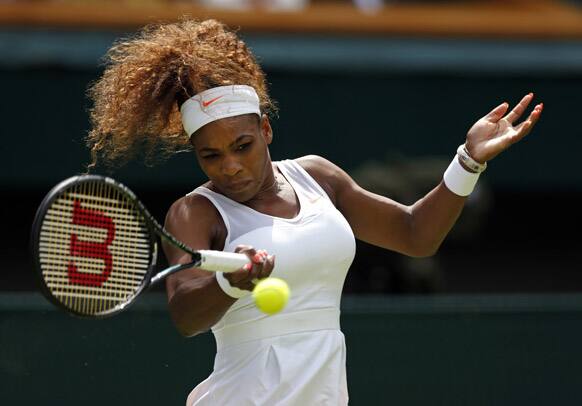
418,230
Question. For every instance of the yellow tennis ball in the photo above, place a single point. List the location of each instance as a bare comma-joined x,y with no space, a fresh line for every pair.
271,295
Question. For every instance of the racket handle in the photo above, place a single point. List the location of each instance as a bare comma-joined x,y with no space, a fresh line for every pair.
220,261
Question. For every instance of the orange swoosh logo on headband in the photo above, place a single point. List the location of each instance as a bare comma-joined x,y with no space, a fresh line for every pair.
209,102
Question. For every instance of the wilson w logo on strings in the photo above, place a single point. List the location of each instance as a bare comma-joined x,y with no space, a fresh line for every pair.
90,249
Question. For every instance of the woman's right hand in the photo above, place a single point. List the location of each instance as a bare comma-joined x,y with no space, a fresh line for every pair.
260,267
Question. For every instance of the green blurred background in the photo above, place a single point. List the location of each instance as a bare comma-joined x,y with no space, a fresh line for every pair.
494,318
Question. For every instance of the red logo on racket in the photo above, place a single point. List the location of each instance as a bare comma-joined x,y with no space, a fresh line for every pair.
90,249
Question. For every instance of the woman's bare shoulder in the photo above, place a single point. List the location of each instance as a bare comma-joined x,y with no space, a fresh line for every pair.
191,211
316,164
327,174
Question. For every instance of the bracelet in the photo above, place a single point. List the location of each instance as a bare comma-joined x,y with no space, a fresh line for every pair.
468,160
458,180
231,291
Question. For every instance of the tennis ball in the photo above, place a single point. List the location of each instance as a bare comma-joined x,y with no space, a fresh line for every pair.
271,295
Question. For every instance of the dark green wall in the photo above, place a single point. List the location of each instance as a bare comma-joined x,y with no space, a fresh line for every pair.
449,350
345,117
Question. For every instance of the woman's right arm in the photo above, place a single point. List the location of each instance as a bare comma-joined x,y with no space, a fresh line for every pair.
195,300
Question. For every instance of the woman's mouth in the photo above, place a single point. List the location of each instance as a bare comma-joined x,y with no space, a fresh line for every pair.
238,185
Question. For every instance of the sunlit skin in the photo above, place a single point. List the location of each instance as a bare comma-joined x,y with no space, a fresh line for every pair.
233,153
497,131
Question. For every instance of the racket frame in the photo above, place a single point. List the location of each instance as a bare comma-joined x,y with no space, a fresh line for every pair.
151,224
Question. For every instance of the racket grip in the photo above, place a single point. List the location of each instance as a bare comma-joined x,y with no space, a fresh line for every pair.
220,261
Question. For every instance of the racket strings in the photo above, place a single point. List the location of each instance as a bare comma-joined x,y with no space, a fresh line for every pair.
94,248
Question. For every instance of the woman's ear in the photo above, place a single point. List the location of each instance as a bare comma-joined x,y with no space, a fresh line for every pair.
266,129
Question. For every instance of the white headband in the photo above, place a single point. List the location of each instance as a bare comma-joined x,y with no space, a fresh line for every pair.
216,103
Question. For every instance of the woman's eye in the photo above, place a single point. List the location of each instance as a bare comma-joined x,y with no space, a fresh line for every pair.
243,146
209,156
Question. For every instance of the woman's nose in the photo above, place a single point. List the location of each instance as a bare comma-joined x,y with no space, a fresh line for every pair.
230,166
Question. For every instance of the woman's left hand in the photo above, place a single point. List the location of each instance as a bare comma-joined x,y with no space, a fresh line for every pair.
496,132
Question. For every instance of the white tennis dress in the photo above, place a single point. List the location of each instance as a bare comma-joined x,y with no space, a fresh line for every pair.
298,356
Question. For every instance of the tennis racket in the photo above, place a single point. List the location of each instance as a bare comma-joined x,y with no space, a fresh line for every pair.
94,247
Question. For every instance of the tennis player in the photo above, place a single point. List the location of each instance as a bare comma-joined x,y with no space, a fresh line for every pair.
196,85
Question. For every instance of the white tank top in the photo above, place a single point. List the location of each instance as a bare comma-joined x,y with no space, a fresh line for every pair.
313,251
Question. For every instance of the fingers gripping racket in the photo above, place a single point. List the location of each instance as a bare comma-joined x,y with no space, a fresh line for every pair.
94,245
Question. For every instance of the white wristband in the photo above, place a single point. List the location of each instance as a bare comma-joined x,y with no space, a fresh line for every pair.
458,180
230,290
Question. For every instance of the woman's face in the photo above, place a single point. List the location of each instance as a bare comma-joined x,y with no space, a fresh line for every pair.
233,152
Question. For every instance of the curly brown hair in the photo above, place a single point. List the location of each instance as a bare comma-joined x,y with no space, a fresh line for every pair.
136,100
